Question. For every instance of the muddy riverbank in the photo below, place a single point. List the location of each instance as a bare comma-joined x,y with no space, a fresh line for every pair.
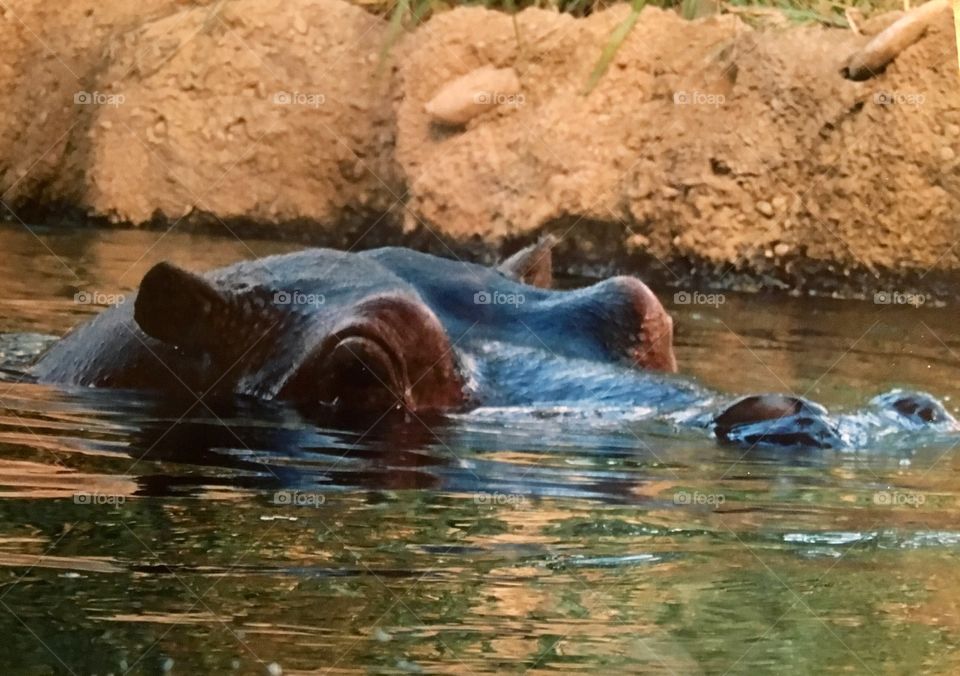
710,153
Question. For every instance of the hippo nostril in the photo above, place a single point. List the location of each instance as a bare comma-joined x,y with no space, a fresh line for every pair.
756,408
778,420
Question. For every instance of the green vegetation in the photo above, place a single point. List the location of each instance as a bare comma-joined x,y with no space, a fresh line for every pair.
613,44
411,12
406,14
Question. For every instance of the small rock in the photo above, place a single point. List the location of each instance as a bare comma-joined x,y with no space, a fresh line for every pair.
299,25
637,242
953,129
765,209
779,202
274,669
781,249
461,100
947,154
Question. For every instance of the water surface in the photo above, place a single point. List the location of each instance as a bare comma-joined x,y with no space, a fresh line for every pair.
139,538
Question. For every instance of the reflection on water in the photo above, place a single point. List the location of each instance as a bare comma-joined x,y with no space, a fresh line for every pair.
142,536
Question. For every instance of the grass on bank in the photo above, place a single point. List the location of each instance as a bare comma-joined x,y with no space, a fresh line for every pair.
829,12
407,14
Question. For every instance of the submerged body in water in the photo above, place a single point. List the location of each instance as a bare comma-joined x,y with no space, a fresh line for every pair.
360,336
527,385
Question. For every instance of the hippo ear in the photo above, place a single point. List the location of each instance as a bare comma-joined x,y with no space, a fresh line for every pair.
532,265
177,307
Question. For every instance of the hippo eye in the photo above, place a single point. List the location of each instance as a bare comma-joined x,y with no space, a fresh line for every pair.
357,363
358,375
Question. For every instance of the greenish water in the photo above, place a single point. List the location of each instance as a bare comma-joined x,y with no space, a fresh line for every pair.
133,540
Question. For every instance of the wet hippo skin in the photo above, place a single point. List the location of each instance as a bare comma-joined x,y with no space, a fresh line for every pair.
353,332
360,335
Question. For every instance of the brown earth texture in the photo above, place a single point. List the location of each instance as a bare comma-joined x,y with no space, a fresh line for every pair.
710,150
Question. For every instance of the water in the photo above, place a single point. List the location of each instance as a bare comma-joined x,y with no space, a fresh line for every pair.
135,539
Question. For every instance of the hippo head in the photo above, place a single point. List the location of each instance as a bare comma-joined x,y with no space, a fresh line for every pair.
364,353
368,333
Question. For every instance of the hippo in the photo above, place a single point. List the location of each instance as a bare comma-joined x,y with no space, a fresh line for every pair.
358,336
361,332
